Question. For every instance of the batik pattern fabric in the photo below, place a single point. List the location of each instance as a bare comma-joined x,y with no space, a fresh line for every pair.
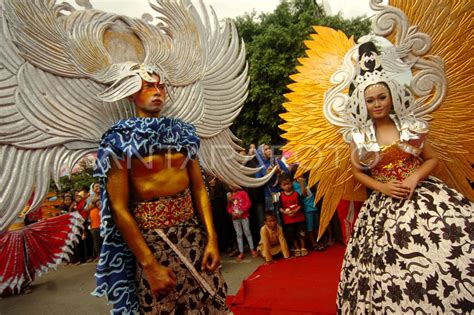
410,256
134,137
189,296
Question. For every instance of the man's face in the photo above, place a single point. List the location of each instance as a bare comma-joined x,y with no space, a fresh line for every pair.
150,99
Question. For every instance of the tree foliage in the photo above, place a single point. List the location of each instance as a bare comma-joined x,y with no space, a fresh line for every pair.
274,42
80,178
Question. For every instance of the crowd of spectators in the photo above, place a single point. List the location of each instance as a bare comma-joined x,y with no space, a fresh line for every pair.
87,203
279,218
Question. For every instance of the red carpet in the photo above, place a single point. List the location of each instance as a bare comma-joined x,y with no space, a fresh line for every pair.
303,285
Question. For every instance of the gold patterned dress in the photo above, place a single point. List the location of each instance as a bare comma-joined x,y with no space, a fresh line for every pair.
409,256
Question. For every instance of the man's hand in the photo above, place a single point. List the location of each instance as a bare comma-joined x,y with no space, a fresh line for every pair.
211,259
161,279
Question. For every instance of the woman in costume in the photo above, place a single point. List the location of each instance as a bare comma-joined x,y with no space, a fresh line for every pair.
412,243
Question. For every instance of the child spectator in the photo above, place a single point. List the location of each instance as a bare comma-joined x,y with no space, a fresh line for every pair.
272,240
238,204
310,210
94,215
292,214
267,163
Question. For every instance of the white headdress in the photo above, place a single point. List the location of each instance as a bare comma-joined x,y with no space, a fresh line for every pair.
355,113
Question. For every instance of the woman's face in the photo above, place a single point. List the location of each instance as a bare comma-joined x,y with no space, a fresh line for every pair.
378,101
267,151
96,188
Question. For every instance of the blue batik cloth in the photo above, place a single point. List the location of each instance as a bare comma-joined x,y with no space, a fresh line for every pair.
139,137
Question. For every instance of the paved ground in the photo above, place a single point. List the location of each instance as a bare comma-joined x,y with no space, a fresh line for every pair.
67,290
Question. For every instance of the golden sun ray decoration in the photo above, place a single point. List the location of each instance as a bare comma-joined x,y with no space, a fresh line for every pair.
316,144
450,24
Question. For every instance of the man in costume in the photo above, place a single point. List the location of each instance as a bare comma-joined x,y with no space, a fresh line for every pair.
116,64
153,195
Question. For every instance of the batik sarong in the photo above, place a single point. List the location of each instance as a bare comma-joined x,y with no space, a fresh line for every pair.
174,235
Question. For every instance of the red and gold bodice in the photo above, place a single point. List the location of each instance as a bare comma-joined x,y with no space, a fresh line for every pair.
394,163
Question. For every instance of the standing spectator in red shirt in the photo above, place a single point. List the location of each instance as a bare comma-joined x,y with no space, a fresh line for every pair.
82,250
292,214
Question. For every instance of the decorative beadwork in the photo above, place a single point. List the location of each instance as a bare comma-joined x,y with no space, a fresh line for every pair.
164,212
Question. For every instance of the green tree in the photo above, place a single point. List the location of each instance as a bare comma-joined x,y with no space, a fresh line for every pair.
80,178
274,42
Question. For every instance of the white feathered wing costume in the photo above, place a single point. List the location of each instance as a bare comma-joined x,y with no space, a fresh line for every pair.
65,75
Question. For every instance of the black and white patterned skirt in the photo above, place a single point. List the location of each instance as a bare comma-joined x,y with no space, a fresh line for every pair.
411,256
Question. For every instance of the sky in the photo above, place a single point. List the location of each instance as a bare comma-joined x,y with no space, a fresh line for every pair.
231,9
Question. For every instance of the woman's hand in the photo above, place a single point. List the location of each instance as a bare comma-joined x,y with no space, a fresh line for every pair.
211,259
161,279
269,170
410,182
395,189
